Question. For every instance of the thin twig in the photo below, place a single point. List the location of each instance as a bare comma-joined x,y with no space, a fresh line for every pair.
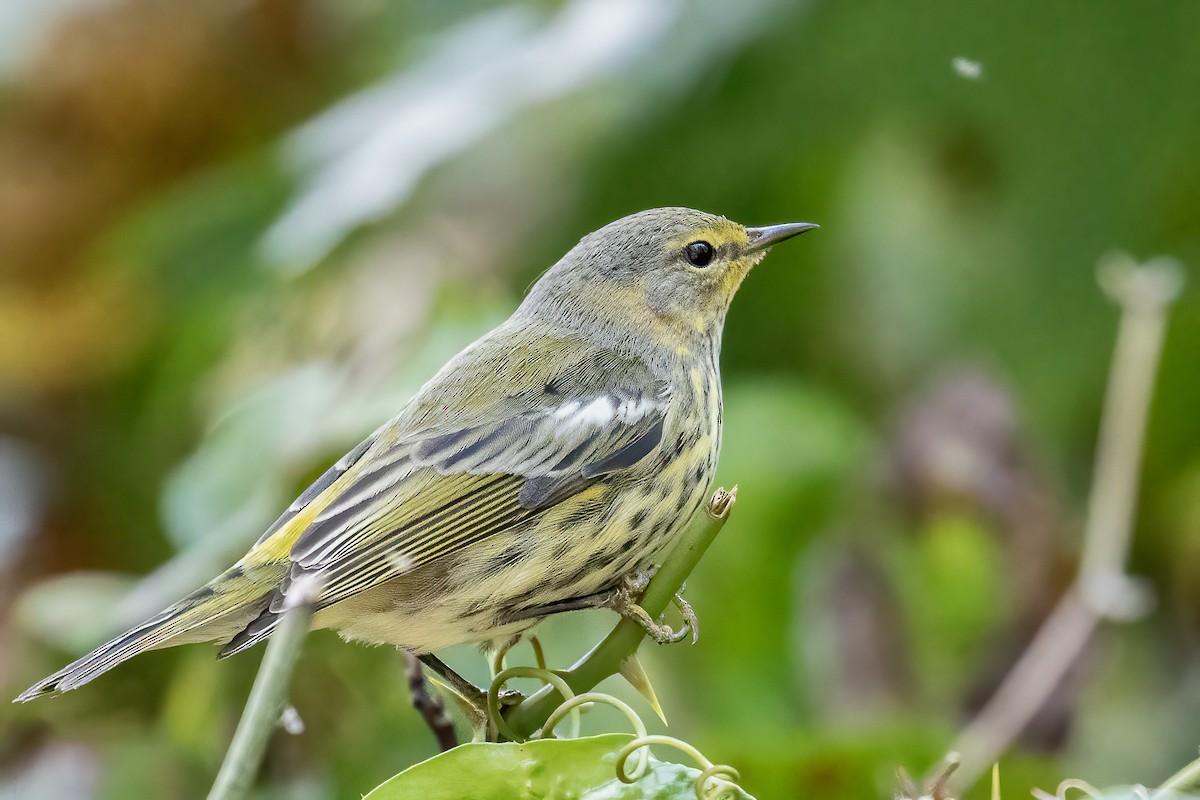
428,704
605,658
263,708
1144,293
1102,589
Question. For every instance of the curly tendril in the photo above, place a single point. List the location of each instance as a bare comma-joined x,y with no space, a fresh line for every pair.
493,698
724,779
714,782
574,703
539,655
1086,789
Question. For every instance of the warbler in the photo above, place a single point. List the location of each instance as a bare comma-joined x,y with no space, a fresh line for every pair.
545,464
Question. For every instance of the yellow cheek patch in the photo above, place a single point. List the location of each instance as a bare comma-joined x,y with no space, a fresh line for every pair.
728,239
737,270
722,237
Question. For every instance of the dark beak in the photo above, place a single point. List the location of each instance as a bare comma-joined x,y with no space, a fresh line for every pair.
768,235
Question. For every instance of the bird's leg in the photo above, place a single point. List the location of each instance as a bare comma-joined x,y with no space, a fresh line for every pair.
429,705
625,601
455,682
470,698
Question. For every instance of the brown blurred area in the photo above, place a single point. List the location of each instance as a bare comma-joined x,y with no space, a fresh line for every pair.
120,101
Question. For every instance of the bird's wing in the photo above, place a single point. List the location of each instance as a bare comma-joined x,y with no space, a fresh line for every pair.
488,443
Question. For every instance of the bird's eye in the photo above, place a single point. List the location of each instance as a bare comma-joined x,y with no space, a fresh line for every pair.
699,254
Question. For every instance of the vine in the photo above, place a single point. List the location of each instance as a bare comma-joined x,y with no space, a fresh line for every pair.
715,781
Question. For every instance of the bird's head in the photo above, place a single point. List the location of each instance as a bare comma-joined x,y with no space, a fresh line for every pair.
672,271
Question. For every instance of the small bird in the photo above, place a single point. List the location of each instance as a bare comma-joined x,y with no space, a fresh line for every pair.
543,469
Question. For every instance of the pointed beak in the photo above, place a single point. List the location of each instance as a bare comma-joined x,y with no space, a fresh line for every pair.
761,238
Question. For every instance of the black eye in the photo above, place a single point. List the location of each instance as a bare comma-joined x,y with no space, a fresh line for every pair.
699,254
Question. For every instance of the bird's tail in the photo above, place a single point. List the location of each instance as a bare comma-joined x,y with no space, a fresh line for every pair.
217,610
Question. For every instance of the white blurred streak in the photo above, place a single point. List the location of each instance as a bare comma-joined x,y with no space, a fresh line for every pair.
23,23
966,68
290,720
367,154
56,770
22,496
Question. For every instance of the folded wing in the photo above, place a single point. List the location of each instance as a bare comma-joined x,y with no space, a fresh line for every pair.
481,450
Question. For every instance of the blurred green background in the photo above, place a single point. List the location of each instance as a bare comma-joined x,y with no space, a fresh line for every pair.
236,235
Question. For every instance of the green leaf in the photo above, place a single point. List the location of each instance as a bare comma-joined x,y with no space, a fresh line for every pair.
564,769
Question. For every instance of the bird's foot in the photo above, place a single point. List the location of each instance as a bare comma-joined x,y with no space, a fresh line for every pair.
469,698
690,621
474,706
508,697
625,601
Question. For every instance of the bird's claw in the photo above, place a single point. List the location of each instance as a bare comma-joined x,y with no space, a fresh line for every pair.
690,621
625,603
658,631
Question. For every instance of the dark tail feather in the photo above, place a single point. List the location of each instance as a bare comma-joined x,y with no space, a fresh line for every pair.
259,628
95,663
215,607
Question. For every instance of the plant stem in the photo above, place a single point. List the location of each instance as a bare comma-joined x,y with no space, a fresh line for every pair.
1186,778
1102,589
261,715
605,658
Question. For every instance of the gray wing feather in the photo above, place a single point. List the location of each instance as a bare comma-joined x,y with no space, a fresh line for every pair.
438,478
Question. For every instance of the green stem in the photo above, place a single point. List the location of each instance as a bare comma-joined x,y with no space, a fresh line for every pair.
1186,778
605,658
261,715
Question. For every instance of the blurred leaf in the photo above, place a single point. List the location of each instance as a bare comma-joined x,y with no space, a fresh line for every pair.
951,585
72,612
780,431
193,718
